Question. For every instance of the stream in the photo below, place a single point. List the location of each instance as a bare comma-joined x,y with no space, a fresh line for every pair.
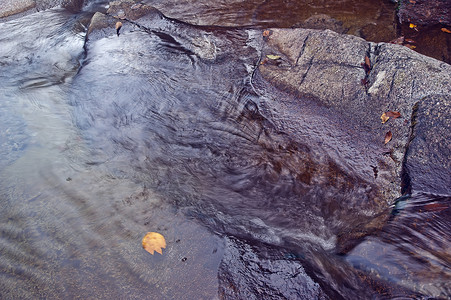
141,132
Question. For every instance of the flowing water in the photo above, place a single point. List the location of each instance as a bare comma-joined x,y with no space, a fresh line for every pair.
145,132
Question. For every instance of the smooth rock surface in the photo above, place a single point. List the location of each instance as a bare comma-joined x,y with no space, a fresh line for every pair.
427,160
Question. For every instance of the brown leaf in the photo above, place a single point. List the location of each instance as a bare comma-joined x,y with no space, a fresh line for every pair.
446,30
388,137
384,118
393,114
154,241
368,62
266,33
118,27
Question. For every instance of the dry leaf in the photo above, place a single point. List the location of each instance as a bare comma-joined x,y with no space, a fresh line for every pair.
118,27
154,241
274,57
388,137
384,118
393,114
412,25
266,33
367,62
446,30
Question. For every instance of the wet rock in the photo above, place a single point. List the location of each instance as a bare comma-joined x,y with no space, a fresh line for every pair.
327,67
17,8
425,12
130,9
244,274
301,156
427,160
322,21
12,7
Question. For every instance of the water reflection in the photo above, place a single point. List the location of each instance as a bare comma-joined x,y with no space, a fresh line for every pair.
155,134
70,226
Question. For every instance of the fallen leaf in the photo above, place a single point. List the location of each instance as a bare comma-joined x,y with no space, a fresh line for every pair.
118,27
412,25
154,241
367,62
410,46
388,137
393,114
409,41
274,57
446,30
384,118
266,33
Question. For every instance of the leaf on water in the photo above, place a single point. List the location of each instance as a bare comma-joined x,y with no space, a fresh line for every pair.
446,30
153,241
393,114
412,25
388,137
384,118
273,57
266,33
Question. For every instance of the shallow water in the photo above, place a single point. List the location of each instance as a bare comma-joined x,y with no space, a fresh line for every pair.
144,133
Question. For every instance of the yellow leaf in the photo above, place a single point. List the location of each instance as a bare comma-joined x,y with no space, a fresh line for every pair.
384,118
446,30
412,25
154,241
273,56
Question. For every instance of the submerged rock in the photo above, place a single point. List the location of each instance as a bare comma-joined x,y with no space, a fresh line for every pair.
425,12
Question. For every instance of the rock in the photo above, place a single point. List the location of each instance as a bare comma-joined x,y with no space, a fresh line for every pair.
425,12
130,9
327,67
322,175
73,5
322,21
12,7
427,160
244,274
